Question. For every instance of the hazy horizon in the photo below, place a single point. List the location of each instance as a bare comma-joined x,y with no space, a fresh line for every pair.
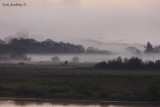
120,21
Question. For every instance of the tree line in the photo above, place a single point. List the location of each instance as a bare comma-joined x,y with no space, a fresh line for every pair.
132,63
31,46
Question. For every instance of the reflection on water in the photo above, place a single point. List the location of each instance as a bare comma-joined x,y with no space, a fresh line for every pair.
67,104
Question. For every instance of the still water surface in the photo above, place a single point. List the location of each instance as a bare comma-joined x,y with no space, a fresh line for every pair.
55,104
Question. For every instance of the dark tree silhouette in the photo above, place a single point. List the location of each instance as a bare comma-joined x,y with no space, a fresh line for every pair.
18,48
132,63
149,47
25,46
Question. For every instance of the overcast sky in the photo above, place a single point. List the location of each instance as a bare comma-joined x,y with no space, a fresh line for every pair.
124,21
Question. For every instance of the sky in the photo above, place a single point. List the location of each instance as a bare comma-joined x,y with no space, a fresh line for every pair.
122,21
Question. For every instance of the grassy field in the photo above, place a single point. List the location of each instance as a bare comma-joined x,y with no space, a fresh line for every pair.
79,83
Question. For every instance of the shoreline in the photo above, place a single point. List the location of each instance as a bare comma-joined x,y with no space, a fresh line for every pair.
76,101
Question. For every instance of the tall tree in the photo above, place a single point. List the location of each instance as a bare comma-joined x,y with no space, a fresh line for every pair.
149,47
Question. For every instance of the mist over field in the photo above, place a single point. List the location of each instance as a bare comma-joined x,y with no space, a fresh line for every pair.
22,47
105,28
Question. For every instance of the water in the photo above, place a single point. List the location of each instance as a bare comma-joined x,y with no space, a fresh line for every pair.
11,103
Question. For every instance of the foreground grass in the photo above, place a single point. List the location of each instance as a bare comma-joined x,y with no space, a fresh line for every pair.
79,83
